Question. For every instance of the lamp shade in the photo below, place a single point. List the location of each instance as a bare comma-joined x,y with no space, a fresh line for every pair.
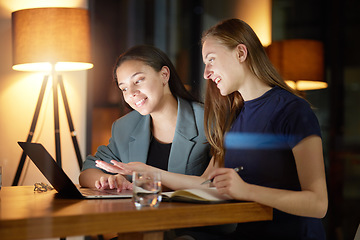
300,62
43,37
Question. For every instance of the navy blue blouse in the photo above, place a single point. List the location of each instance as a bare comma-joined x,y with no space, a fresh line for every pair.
261,141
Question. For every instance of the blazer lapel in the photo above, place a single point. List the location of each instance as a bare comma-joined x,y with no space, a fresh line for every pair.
184,133
140,141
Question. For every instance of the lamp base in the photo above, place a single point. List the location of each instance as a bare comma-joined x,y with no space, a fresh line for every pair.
57,82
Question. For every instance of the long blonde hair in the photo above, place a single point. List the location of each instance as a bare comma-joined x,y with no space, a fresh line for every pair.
221,111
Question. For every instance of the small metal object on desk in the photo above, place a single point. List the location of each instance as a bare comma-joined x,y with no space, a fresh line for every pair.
42,187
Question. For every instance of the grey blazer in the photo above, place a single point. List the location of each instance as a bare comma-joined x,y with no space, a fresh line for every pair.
130,140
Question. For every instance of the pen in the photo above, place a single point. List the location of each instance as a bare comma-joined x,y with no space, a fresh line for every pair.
237,169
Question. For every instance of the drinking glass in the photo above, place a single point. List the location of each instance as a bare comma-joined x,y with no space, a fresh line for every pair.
146,189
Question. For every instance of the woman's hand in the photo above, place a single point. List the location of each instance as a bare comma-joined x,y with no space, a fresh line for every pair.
118,182
227,181
132,167
110,167
123,168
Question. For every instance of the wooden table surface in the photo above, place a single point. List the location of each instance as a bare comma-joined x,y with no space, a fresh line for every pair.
28,215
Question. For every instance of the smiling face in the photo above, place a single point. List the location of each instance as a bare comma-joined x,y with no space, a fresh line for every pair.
143,88
222,66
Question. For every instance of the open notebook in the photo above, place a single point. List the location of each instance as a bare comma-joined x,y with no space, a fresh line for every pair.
58,178
204,195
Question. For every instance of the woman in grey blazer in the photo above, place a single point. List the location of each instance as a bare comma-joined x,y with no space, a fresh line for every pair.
165,129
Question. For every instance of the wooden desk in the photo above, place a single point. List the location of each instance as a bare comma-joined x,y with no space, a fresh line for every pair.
28,215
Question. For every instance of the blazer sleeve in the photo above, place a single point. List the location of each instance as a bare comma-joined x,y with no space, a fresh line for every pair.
121,135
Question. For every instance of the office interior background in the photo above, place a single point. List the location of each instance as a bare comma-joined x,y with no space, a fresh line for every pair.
175,26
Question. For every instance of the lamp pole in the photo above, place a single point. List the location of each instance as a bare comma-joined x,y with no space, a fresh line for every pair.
56,115
32,130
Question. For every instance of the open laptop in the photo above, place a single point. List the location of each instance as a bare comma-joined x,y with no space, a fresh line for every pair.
58,178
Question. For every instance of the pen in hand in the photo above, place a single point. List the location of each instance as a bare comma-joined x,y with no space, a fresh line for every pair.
237,169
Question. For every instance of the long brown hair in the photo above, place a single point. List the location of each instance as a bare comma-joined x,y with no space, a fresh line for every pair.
221,111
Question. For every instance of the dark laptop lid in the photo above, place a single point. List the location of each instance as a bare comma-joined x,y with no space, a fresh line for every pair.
51,170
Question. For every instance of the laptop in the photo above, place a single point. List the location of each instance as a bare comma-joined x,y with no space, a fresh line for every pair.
60,181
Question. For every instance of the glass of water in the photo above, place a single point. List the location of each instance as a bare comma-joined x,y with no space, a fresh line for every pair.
146,189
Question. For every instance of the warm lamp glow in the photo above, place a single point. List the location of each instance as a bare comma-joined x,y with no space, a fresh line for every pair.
303,85
47,67
256,13
12,6
46,36
300,62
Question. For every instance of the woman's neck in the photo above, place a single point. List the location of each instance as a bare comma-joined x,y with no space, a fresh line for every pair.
164,121
253,88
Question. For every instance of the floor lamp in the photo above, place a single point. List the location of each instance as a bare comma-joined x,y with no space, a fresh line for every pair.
51,40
